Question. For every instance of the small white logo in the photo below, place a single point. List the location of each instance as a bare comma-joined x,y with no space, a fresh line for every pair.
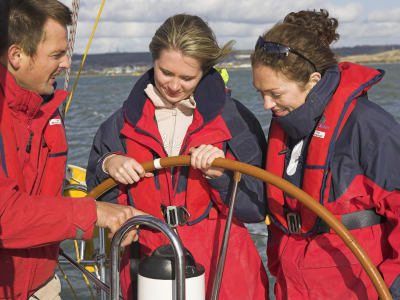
319,134
55,122
294,158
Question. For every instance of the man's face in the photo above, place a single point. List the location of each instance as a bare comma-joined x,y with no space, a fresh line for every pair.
38,73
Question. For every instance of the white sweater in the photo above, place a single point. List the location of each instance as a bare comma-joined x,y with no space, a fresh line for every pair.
173,120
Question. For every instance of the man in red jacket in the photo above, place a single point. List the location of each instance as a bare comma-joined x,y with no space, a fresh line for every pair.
34,218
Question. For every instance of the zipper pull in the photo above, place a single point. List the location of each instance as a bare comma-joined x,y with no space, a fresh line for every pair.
29,146
284,151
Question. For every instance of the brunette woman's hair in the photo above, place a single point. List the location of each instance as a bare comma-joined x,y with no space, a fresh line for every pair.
309,33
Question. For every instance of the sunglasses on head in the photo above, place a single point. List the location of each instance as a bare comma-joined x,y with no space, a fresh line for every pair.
280,50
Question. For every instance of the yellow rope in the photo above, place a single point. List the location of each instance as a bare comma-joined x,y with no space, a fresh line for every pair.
78,259
67,280
84,58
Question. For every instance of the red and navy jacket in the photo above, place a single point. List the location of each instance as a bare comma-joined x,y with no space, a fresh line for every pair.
348,160
34,217
218,120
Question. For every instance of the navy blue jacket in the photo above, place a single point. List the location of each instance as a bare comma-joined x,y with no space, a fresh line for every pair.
247,144
365,175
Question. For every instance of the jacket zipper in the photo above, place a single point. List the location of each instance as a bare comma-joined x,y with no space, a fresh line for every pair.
29,145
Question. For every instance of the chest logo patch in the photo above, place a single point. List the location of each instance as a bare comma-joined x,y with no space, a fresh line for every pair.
55,122
319,134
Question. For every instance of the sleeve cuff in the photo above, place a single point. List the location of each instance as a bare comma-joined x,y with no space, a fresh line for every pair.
222,182
84,217
103,158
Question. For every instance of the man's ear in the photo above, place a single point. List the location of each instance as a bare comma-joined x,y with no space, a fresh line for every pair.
15,56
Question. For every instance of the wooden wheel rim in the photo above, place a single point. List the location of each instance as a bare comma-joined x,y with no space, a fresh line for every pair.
285,186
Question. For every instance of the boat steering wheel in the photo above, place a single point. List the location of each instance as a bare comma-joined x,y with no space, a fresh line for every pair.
286,187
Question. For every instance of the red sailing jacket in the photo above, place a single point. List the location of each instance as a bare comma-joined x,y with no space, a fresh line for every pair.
202,236
307,264
138,145
34,217
202,202
316,173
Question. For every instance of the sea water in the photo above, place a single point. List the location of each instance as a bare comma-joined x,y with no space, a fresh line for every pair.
97,97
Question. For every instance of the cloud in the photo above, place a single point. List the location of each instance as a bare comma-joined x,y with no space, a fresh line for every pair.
119,29
129,25
392,15
232,30
347,13
244,11
249,11
365,33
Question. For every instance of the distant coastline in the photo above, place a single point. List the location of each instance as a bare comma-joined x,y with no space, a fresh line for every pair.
392,56
135,64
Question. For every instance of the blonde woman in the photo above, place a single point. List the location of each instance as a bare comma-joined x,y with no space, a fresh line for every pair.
180,107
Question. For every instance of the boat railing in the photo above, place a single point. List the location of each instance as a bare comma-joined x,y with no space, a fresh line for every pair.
161,226
91,255
133,223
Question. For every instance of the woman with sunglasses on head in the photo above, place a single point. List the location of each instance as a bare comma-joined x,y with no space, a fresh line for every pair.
327,138
181,107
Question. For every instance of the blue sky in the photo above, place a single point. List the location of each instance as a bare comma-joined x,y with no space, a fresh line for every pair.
128,25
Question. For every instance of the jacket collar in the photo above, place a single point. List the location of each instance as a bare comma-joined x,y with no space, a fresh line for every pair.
301,122
18,99
26,102
210,97
186,105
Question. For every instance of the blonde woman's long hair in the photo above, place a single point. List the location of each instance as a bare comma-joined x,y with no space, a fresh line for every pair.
193,37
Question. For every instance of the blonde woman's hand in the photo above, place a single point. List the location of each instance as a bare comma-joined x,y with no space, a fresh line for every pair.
203,156
124,169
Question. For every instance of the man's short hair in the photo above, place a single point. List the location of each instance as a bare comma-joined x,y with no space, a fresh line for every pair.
3,26
26,19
